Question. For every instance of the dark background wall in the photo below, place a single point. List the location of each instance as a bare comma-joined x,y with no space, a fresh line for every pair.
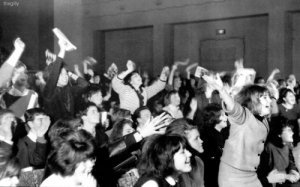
244,38
265,29
31,20
155,33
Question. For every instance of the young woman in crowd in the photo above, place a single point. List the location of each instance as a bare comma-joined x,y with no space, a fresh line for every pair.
165,158
278,156
289,109
248,132
19,98
59,95
72,162
121,128
173,104
214,136
183,127
132,94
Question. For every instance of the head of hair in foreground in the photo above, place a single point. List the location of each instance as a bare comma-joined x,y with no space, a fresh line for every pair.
9,169
77,147
158,158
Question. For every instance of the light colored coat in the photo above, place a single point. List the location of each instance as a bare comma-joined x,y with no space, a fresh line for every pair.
246,140
128,97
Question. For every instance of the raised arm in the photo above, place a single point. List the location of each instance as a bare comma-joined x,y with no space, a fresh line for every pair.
159,85
272,75
51,83
117,81
217,84
8,66
171,75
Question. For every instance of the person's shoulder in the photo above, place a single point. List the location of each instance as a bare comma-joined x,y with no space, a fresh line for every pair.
53,180
150,183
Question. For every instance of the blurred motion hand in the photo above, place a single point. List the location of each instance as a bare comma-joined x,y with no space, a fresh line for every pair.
19,44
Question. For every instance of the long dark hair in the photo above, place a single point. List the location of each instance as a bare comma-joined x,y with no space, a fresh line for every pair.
158,158
277,125
282,94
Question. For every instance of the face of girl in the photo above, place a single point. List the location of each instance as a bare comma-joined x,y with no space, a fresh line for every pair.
265,102
145,115
136,80
287,135
223,120
96,98
175,99
177,82
92,115
290,98
20,77
194,140
127,129
182,160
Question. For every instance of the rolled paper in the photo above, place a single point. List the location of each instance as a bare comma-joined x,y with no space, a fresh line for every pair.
60,35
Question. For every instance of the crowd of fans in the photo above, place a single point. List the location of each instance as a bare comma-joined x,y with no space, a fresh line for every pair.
63,127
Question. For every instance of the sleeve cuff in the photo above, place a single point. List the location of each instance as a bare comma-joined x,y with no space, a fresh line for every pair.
162,80
41,140
229,112
119,78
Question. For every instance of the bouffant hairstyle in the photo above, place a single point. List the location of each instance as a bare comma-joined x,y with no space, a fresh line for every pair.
278,124
282,94
127,79
83,109
121,114
118,129
92,89
249,97
31,113
158,158
59,131
180,127
211,115
137,113
77,147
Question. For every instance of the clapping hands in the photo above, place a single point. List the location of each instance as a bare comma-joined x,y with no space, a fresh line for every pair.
293,176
